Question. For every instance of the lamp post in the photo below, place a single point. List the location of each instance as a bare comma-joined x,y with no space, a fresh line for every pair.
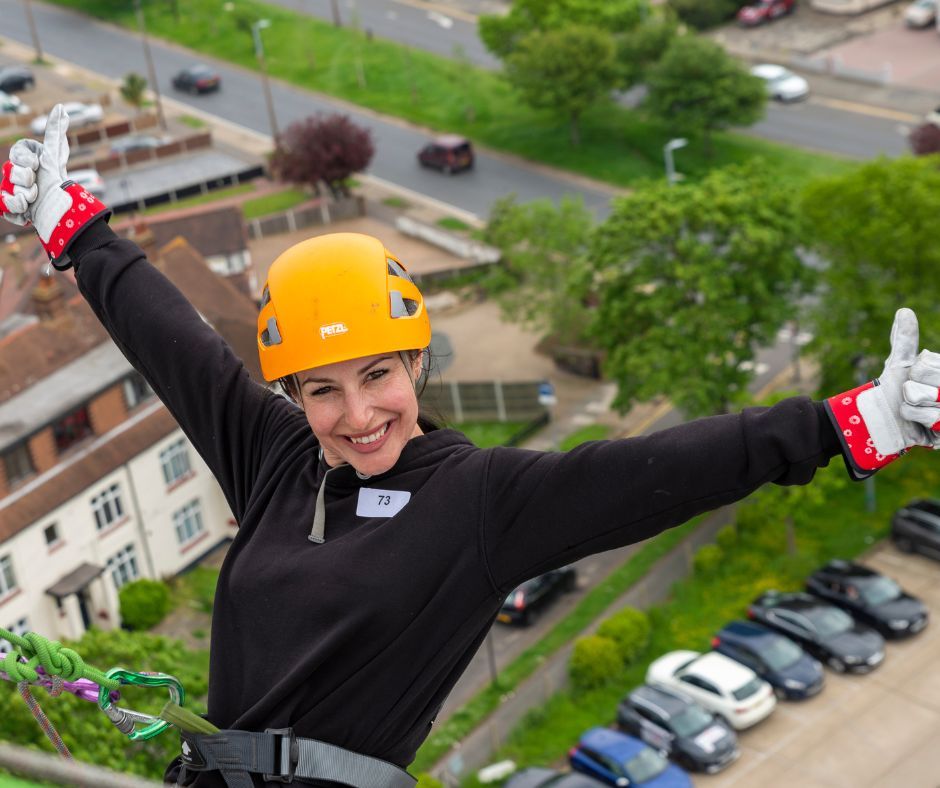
671,175
256,29
32,29
151,71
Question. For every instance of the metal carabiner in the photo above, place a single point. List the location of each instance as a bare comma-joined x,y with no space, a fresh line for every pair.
126,720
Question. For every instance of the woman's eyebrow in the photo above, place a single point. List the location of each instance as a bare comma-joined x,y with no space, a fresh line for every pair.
362,371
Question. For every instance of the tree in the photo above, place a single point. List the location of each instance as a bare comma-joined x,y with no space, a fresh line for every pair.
640,48
925,139
875,228
702,14
540,279
322,148
690,280
134,90
698,87
502,33
564,71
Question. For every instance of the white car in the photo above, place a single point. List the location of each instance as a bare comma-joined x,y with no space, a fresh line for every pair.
79,115
10,105
920,13
718,683
933,117
782,84
89,179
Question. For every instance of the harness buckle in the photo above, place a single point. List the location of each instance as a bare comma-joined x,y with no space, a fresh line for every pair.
286,755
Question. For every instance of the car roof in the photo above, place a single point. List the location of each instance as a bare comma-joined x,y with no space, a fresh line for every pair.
746,630
660,699
720,670
15,70
790,600
614,743
768,70
450,140
841,568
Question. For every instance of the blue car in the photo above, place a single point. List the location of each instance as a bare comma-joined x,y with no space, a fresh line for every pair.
617,759
792,672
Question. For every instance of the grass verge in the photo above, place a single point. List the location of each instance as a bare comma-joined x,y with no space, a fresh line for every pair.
200,199
592,432
486,434
274,202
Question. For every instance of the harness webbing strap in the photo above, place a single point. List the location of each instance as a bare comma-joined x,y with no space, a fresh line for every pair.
281,757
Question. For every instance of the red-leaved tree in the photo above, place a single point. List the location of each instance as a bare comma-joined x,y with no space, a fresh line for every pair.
322,149
925,139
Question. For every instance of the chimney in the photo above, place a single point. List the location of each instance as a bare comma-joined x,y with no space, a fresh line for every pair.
48,298
141,234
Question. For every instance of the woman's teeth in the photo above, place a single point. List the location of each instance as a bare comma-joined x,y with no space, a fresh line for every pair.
373,437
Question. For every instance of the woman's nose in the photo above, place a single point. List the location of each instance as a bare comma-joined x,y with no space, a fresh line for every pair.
358,412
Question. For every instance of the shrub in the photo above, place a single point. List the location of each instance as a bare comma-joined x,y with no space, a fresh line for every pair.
702,14
925,139
630,630
707,559
726,538
594,662
425,780
144,603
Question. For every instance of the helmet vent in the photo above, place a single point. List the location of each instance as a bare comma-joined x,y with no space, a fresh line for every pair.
402,307
396,269
265,297
271,335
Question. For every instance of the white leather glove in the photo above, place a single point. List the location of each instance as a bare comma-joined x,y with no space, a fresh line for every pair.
17,190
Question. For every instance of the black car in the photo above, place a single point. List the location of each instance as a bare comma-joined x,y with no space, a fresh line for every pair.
448,153
15,78
523,605
822,629
792,672
870,597
917,527
197,79
537,777
676,725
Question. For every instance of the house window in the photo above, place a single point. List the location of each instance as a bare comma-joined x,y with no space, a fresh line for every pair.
188,522
17,463
136,390
51,533
72,428
175,461
123,566
7,577
107,507
20,628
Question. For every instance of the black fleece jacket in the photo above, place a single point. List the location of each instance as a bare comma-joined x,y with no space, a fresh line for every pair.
357,641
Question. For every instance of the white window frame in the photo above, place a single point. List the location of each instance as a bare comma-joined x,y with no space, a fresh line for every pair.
20,628
132,395
123,566
175,462
18,463
106,507
8,584
187,522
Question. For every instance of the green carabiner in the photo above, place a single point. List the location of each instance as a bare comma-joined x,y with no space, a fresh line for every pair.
126,719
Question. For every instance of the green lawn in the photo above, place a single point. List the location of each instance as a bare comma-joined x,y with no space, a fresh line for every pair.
592,432
195,588
201,199
274,202
489,433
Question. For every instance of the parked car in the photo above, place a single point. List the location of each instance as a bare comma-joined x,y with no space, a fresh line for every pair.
869,597
524,604
16,78
920,13
782,84
448,154
135,142
822,629
80,115
765,11
720,684
618,759
917,525
90,180
933,117
12,105
671,722
537,777
779,661
197,79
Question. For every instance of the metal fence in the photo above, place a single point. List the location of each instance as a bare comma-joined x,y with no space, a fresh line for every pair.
190,190
489,401
321,210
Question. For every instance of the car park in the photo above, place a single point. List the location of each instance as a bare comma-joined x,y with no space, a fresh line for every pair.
920,13
782,84
528,600
90,180
12,105
870,597
779,661
80,115
916,527
448,153
197,79
135,142
674,724
16,78
538,777
822,629
762,11
720,684
621,760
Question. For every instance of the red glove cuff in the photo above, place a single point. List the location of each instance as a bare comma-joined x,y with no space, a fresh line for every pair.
85,208
6,185
859,450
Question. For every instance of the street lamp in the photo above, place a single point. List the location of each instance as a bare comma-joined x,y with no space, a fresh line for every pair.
27,4
151,71
256,29
671,175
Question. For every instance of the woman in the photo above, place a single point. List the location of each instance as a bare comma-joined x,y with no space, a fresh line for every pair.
373,553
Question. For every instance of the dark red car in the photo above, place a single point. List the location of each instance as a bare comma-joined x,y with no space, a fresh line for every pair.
764,11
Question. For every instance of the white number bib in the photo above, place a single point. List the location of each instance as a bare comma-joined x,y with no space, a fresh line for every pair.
381,503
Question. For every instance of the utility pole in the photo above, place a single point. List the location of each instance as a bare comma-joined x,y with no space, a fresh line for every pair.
151,71
337,21
256,29
32,29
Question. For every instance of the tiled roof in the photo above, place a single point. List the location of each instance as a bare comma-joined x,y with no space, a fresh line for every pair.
212,230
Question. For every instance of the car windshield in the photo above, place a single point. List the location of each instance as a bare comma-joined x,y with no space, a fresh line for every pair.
782,76
879,590
645,766
745,691
829,621
691,721
780,653
200,71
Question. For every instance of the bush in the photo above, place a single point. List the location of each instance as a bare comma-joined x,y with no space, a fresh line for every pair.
630,630
425,780
594,662
702,14
707,559
144,603
925,139
726,538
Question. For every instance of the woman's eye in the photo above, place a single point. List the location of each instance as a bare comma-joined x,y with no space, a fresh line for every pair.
320,391
375,374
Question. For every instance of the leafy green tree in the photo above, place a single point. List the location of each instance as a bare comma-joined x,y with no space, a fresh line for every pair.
697,87
690,281
876,229
565,71
638,49
134,90
541,277
502,33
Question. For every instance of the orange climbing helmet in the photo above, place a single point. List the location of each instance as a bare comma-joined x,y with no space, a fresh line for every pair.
333,298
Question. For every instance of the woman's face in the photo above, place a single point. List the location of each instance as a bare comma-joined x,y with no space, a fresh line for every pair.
363,411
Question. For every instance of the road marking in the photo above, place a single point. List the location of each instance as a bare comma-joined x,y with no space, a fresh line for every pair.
464,16
865,109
